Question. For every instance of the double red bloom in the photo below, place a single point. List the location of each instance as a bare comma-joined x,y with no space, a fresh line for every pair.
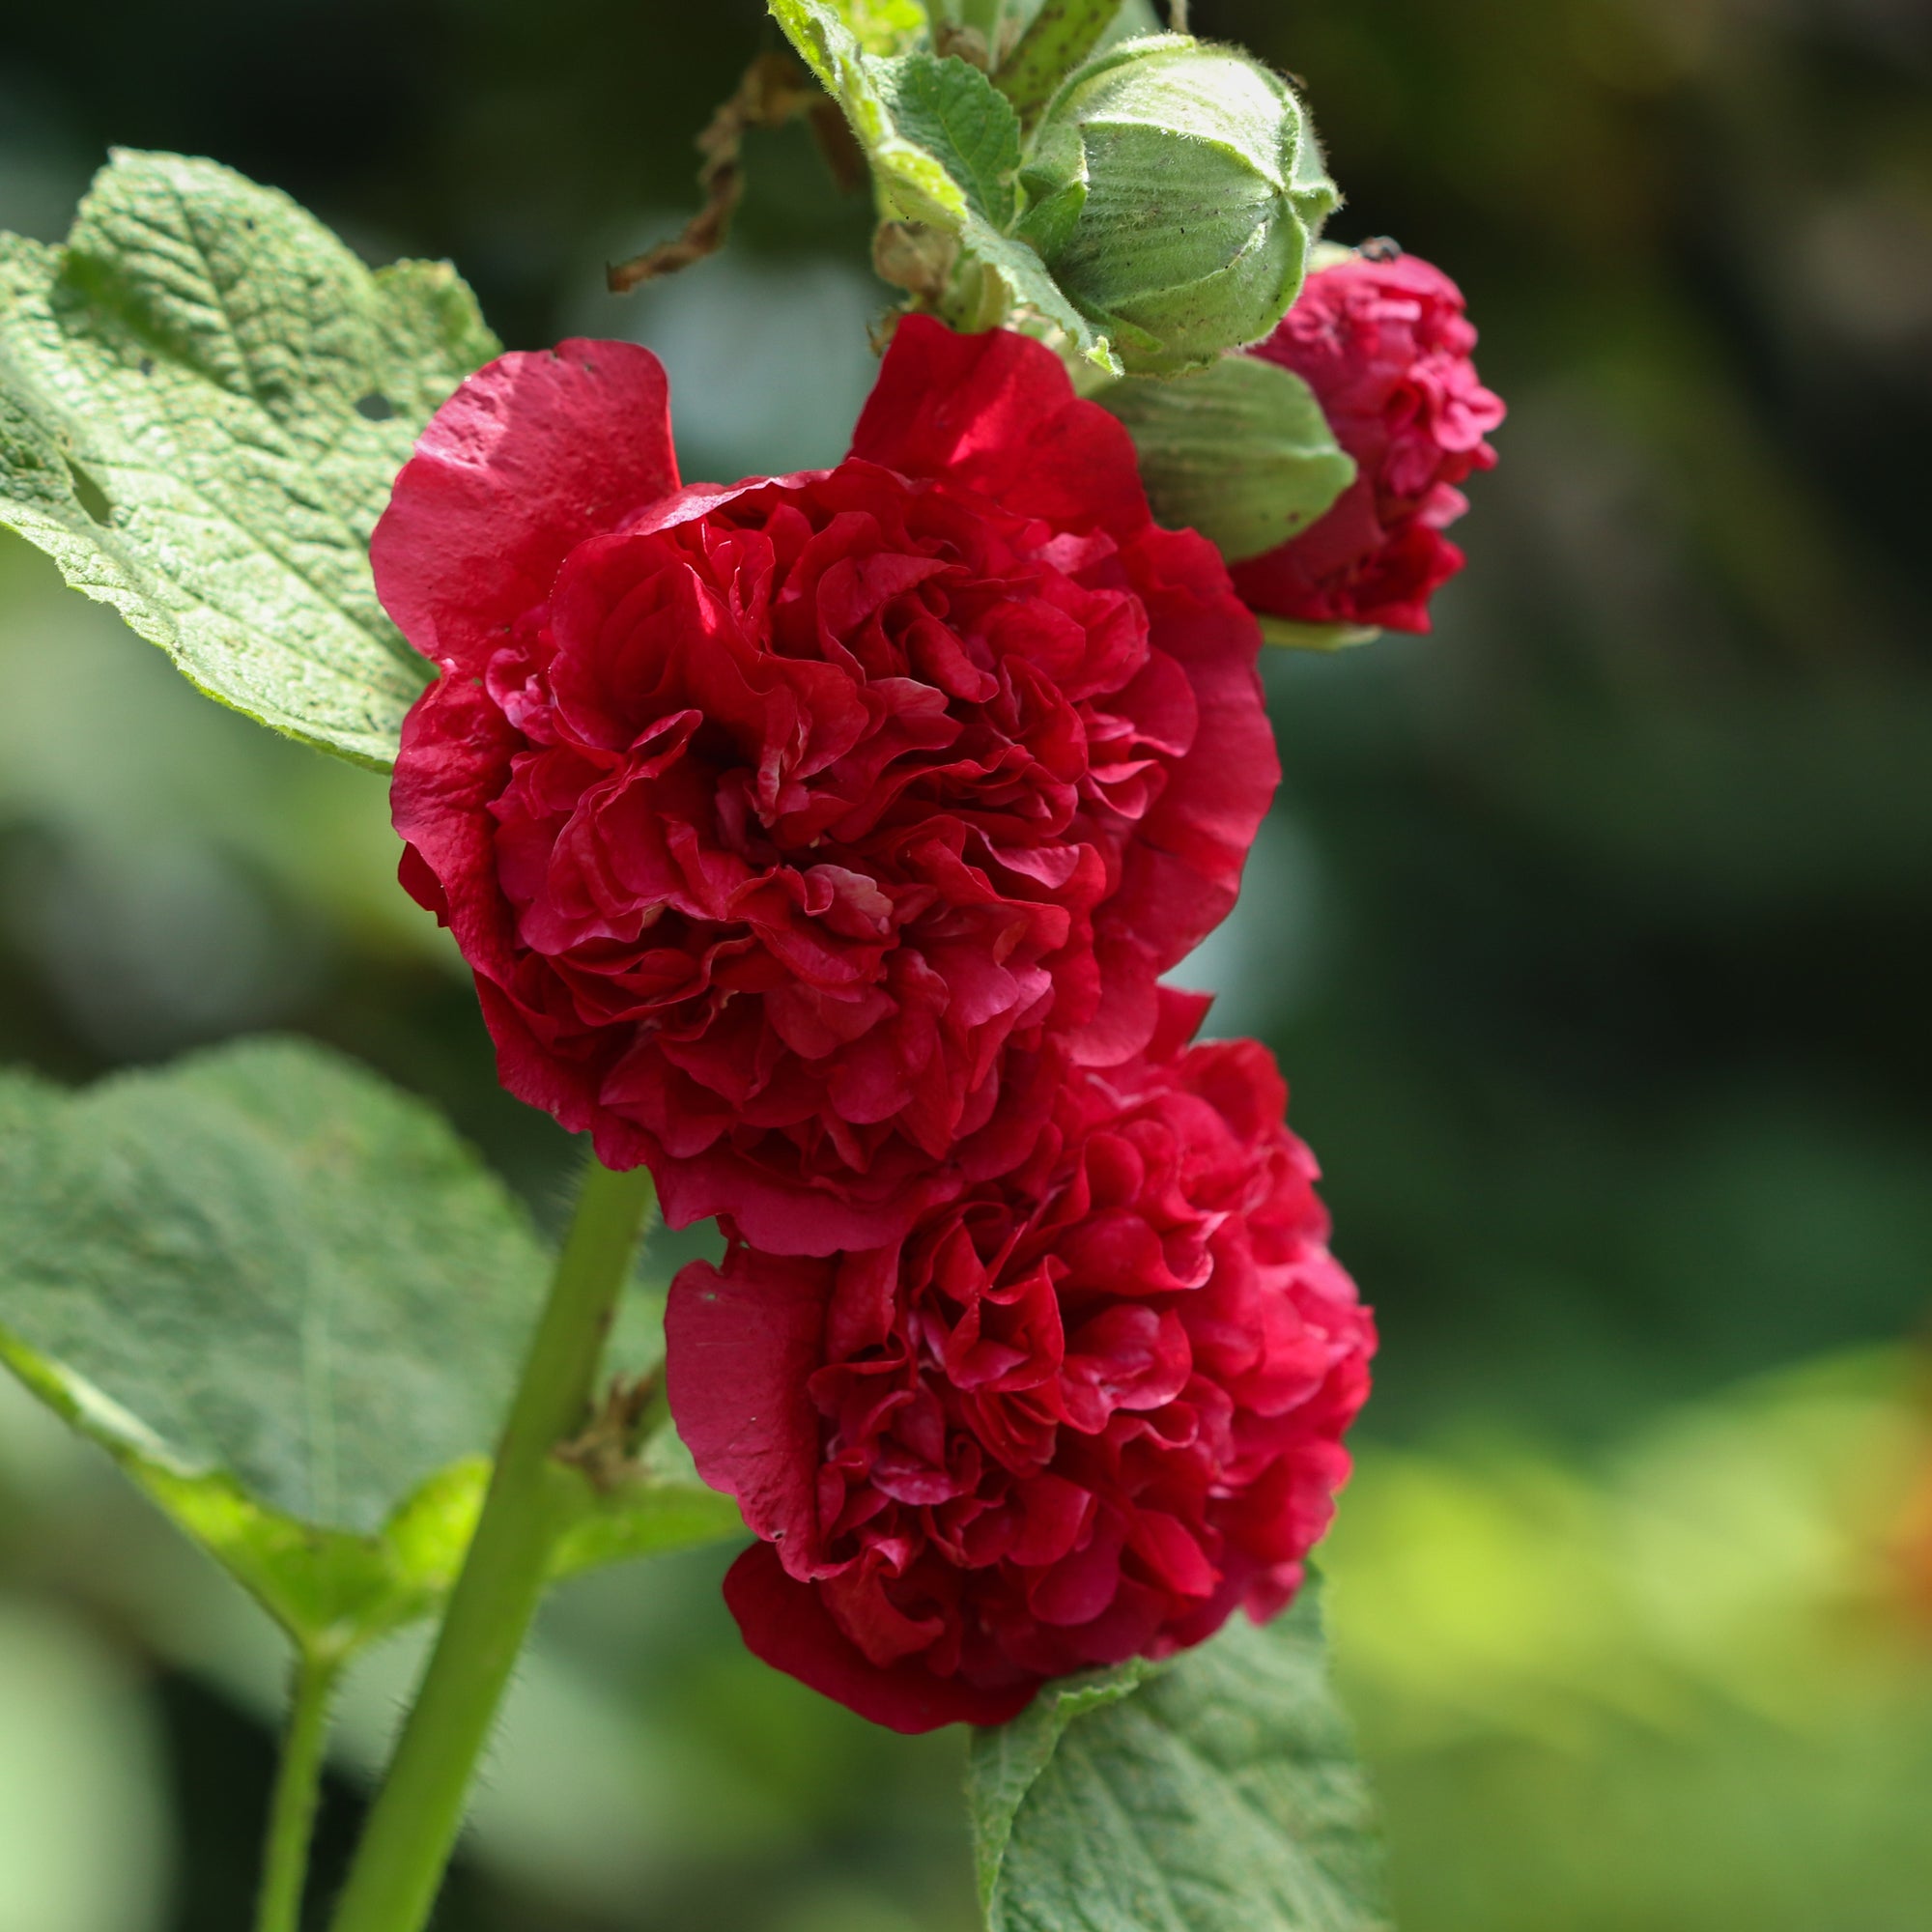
1386,346
820,841
1079,1415
799,832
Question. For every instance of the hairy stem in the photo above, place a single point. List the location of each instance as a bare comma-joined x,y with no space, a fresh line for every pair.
297,1787
412,1828
1063,34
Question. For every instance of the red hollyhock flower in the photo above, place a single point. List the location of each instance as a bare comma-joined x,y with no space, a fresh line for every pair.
1384,345
799,831
1079,1415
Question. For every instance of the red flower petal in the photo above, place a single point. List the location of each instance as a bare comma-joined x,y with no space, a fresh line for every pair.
1385,347
997,413
800,832
1081,1413
532,454
786,1623
739,1347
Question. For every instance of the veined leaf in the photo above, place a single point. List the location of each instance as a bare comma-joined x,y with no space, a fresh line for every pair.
948,110
1218,1792
290,1304
204,399
1239,451
943,147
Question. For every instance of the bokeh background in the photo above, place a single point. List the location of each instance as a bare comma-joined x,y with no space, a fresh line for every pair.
1592,932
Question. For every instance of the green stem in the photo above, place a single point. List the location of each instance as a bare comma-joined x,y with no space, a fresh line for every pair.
412,1828
297,1787
1061,36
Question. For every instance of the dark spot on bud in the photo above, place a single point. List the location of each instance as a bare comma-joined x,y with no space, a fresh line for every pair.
1380,248
375,407
88,495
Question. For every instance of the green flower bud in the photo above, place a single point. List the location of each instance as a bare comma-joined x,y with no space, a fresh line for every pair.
1174,192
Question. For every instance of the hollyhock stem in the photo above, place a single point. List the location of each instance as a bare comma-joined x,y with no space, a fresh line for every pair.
412,1828
297,1786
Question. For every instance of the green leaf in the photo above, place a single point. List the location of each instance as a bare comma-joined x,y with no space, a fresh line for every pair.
883,26
1293,635
660,1504
1218,1792
204,399
1239,451
943,147
290,1304
948,109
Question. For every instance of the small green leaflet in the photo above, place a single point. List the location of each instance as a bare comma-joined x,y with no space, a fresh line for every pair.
289,1303
969,129
1239,451
204,400
1218,1792
944,147
1294,636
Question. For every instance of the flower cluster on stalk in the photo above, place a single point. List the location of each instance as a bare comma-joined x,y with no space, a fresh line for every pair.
820,841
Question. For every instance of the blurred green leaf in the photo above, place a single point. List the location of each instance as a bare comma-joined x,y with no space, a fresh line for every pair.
204,400
291,1303
883,26
1239,451
657,1505
1218,1792
1295,636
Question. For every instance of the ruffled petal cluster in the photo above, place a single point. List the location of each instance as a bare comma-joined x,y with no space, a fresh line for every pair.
802,834
1080,1413
1384,344
820,841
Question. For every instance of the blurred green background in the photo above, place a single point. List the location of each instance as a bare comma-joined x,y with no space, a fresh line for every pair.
1592,932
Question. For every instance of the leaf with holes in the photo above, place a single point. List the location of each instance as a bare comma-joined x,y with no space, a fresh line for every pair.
1218,1792
290,1304
204,400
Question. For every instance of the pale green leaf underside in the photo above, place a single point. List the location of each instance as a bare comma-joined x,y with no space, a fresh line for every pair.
1216,1793
204,400
1239,451
291,1303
